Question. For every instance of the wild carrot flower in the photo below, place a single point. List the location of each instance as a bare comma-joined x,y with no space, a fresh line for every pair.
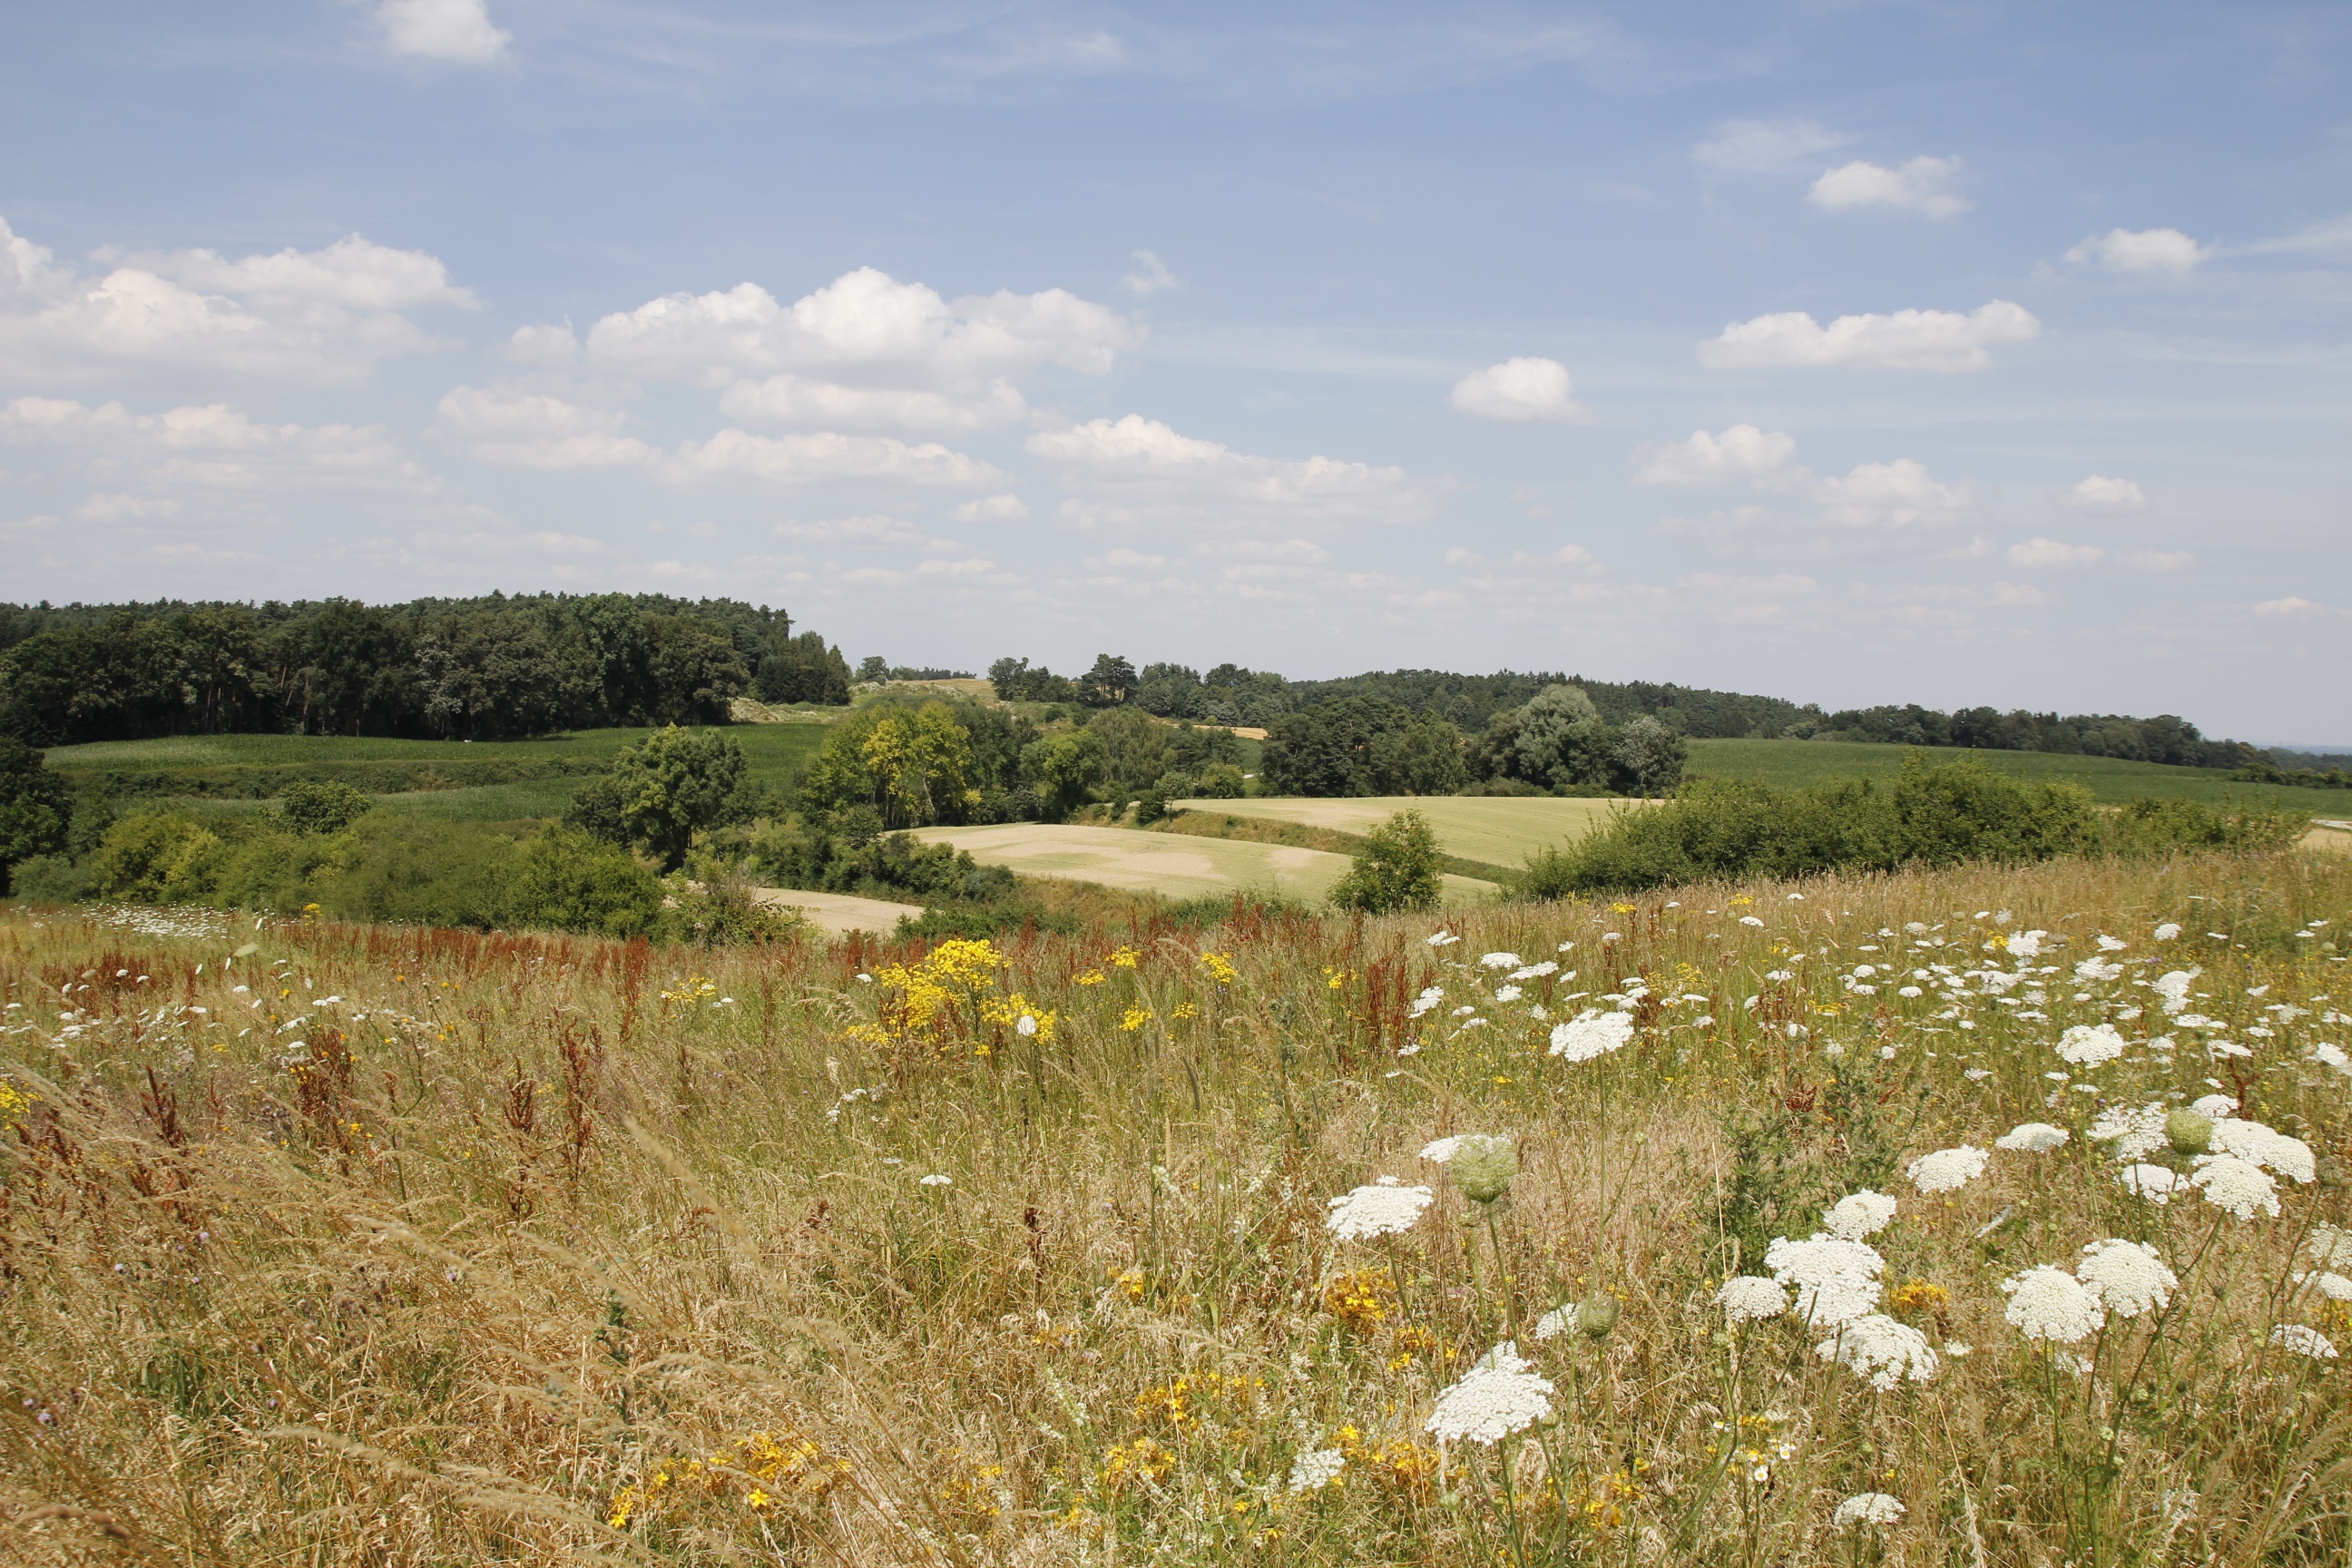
1859,1214
2047,1303
1316,1469
2156,1184
2091,1044
1383,1208
2126,1276
1482,1166
1867,1508
1881,1351
2330,1246
2304,1340
1500,1395
2237,1186
1592,1034
1946,1170
1751,1297
2031,1137
2135,1132
1836,1279
2262,1145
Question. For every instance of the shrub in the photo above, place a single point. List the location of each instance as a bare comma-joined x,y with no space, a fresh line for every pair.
675,784
1219,781
153,858
423,873
321,807
50,879
569,881
1941,815
1398,868
36,809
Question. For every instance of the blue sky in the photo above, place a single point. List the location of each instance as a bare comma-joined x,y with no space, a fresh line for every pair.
1854,352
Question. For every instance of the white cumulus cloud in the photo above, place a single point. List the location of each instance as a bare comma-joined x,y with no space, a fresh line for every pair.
2101,494
1135,470
321,316
1904,339
532,430
2141,253
1519,390
457,30
2052,553
1899,494
210,447
993,509
821,457
1742,452
810,403
1921,185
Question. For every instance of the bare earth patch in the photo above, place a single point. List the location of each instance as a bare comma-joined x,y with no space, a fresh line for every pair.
1156,863
1501,830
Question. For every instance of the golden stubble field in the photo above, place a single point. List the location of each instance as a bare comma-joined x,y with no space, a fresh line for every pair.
1501,830
332,1245
1154,863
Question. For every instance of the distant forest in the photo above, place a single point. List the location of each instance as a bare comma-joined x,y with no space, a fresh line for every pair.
1230,694
502,667
475,669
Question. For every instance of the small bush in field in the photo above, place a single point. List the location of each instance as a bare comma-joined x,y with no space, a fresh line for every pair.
566,881
1398,867
321,807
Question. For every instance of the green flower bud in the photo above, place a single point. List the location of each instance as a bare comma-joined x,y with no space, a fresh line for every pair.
1597,1314
2187,1131
1483,1166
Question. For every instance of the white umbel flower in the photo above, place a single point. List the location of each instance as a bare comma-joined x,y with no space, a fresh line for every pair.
2168,930
1867,1508
1441,1150
2127,1277
2251,1141
1590,1033
2091,1044
1499,961
2031,1138
2329,1283
2049,1304
1749,1298
2330,1246
2135,1131
1836,1279
2156,1184
1384,1208
2173,986
1946,1170
1555,1323
1879,1349
1858,1215
1500,1395
2238,1186
1316,1469
2213,1106
2304,1340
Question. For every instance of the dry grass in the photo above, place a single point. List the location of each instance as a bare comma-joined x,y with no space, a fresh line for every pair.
1500,830
1151,863
432,1248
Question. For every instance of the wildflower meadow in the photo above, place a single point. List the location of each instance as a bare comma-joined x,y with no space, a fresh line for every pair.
1963,1216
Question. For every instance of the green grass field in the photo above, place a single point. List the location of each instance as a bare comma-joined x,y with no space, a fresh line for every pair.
1790,764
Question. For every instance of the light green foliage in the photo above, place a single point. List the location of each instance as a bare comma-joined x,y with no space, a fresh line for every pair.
1929,814
153,858
1219,781
1065,769
569,881
1398,868
674,785
321,807
911,767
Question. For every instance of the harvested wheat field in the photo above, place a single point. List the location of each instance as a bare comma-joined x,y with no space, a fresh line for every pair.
1501,830
1175,867
838,914
1972,1216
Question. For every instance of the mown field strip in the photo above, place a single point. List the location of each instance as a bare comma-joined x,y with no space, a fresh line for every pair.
1501,830
1155,863
838,914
